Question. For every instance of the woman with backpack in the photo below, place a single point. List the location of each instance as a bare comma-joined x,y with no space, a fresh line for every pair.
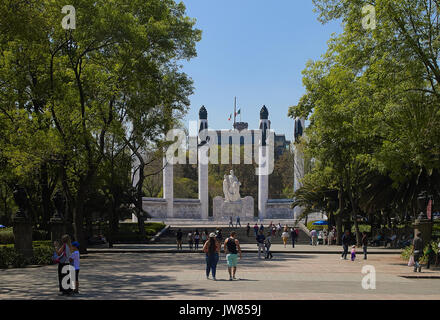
212,250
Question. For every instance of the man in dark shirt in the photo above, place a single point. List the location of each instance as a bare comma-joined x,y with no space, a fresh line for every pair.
179,235
364,244
418,251
346,241
260,243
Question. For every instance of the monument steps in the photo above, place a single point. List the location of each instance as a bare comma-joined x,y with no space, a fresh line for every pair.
170,236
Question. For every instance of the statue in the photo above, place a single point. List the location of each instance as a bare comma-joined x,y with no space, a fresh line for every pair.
20,199
231,187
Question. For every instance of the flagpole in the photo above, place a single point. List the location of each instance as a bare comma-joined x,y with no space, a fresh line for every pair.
235,109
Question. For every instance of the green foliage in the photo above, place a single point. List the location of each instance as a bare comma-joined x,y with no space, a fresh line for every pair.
10,257
6,236
407,252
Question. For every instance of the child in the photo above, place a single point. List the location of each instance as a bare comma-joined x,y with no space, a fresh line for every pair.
353,253
74,261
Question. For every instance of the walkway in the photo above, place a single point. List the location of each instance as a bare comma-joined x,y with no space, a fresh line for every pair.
181,276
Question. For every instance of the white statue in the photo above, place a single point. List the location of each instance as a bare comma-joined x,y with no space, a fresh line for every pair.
231,187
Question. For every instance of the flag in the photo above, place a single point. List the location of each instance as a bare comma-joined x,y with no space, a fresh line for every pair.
238,112
230,117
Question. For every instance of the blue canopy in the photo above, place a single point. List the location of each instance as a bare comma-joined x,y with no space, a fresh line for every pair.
320,223
2,226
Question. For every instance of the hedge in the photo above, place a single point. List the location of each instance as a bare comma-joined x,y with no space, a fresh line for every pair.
9,257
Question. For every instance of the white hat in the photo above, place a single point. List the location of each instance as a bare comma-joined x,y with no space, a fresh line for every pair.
212,235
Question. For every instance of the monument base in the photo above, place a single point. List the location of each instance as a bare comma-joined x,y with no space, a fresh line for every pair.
223,210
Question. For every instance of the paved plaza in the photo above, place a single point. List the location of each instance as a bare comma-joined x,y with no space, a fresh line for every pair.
289,276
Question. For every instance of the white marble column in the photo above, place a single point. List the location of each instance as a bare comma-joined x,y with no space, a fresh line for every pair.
168,187
263,189
263,179
203,184
298,166
202,157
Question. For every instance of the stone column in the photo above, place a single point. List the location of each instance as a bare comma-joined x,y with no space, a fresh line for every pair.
168,187
22,227
298,166
263,179
202,152
425,227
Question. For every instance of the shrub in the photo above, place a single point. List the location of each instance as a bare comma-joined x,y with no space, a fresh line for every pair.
6,236
10,257
42,255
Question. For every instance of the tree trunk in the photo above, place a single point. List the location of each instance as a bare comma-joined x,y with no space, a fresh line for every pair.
139,194
45,197
78,221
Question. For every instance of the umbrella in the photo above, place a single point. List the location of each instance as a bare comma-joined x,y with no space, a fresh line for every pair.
320,223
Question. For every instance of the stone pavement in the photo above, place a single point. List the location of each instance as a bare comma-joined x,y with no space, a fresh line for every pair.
289,276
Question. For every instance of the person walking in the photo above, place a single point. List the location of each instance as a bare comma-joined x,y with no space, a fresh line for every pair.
232,249
204,236
260,243
430,255
268,244
256,229
63,253
248,229
325,236
418,251
219,236
331,236
346,241
196,240
212,250
285,236
230,222
364,244
313,235
238,222
190,240
279,229
293,236
179,236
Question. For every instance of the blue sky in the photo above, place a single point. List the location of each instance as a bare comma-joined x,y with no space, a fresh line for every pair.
254,50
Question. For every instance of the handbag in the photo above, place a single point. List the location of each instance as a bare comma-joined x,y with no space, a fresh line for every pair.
411,261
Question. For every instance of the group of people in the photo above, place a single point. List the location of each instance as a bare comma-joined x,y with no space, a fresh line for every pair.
324,236
212,249
66,255
195,238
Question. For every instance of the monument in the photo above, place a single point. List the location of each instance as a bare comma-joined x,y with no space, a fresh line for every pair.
232,205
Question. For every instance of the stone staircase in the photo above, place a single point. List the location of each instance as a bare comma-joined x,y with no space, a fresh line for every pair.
170,236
